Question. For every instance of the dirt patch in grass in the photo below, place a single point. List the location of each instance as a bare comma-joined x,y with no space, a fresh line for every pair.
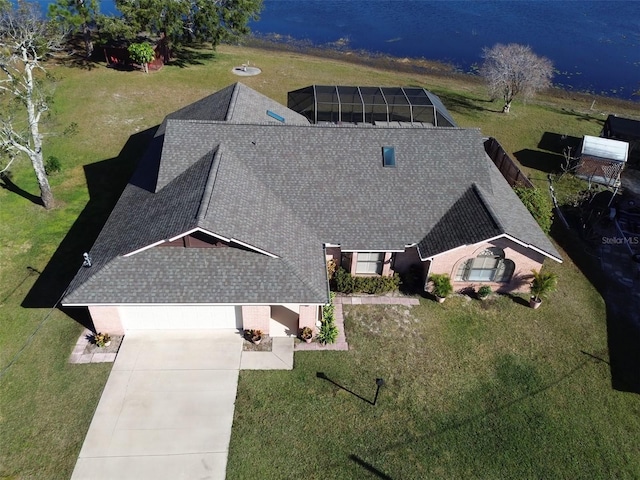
264,345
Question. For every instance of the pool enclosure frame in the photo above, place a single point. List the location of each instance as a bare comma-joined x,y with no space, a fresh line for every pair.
372,105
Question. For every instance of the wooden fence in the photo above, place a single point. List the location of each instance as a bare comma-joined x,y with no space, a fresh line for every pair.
508,168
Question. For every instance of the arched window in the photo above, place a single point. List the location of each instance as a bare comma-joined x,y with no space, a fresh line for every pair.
489,266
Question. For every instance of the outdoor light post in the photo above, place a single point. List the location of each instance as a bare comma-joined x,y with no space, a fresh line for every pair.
379,383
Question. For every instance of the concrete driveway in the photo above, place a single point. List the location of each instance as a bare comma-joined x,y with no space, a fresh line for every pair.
167,408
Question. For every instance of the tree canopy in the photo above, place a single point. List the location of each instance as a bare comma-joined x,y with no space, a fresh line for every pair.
514,69
183,21
78,16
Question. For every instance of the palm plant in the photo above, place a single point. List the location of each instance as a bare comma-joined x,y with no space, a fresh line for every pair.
542,284
442,287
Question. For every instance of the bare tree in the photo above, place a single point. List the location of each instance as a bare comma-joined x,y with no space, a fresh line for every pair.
26,39
514,69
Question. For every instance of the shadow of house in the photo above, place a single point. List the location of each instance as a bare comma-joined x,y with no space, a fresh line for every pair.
106,180
623,338
622,312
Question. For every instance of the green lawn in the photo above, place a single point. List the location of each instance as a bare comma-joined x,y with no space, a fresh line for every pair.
473,389
470,383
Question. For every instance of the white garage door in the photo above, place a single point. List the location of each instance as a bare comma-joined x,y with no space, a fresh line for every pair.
172,317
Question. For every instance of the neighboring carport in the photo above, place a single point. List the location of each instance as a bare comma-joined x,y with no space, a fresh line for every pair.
167,408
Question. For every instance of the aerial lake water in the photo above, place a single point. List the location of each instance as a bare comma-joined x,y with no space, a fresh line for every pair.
594,45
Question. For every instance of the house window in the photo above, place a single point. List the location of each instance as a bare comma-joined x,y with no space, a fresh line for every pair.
489,266
369,263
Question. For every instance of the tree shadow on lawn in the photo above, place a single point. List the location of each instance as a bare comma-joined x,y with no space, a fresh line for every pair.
457,103
7,184
106,180
183,57
583,117
622,311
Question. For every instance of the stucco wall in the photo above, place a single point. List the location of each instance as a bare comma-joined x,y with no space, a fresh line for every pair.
308,317
256,317
106,319
525,260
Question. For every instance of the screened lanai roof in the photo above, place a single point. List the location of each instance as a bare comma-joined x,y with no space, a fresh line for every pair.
374,105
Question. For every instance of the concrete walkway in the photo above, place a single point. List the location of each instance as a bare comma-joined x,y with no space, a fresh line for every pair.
376,300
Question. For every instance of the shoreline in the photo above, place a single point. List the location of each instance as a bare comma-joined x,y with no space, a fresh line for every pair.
340,51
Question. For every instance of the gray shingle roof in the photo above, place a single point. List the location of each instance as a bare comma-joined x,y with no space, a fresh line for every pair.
467,222
286,189
177,275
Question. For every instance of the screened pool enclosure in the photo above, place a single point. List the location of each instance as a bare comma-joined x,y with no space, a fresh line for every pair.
374,105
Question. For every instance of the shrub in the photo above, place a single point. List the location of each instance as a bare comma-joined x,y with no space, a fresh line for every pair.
484,291
331,268
347,283
328,311
328,333
344,281
441,285
52,165
102,339
142,53
539,204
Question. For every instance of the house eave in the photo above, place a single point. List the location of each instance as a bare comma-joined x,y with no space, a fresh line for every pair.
504,235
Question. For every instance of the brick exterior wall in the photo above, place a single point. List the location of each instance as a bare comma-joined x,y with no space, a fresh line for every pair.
256,317
308,317
525,260
106,319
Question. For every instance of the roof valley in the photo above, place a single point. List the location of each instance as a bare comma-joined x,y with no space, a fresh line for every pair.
208,189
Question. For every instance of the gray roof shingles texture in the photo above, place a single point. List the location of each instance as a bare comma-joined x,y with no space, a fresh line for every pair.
287,189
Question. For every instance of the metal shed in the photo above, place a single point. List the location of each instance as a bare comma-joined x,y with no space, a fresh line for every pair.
372,105
602,160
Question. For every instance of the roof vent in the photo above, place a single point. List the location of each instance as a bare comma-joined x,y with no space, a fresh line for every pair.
388,156
275,115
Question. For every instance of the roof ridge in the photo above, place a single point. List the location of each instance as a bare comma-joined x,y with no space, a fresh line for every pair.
232,102
208,188
344,125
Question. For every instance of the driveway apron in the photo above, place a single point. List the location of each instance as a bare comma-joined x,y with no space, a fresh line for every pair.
167,409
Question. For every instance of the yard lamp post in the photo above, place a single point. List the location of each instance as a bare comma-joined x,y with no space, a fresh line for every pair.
379,383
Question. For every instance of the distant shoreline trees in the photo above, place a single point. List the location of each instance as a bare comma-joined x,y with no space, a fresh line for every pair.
179,22
512,70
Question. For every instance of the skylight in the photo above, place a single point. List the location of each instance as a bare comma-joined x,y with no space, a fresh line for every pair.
389,156
275,115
